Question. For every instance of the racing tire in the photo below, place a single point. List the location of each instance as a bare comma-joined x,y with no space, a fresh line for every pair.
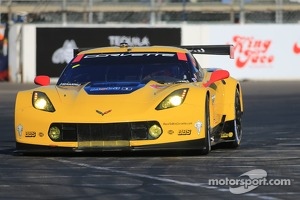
237,123
207,143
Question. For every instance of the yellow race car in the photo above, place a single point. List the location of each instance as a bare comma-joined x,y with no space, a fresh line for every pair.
132,98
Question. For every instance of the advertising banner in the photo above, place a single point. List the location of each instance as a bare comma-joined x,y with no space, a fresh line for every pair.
54,46
262,52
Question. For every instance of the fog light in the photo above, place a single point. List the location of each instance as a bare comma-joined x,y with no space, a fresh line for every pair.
54,133
155,131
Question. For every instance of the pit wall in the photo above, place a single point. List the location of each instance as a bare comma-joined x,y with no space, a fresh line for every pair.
262,52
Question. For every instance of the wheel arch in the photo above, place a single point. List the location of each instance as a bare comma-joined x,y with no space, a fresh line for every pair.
239,88
229,98
208,97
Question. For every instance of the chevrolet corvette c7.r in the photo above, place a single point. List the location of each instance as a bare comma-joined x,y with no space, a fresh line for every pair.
132,98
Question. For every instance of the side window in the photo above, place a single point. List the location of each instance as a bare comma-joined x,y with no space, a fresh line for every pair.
197,69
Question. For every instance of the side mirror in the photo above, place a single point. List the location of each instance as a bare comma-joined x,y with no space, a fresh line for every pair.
216,76
42,80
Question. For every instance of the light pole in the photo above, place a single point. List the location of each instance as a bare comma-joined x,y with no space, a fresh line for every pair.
242,12
183,10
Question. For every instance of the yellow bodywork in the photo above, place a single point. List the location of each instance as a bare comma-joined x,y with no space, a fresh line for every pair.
73,105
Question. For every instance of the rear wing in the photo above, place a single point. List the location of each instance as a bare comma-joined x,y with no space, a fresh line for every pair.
195,49
211,49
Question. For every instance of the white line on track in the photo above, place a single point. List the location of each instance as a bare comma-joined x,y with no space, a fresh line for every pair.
250,158
166,180
290,139
289,144
237,166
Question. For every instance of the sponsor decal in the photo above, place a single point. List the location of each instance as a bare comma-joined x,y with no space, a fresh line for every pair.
104,88
213,97
20,130
181,56
158,86
185,132
226,135
129,55
69,84
252,51
77,59
195,79
75,66
198,126
116,40
126,88
30,134
177,123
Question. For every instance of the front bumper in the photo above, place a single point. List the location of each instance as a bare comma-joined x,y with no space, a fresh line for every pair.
173,146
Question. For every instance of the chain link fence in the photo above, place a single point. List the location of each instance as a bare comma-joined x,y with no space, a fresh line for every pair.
150,11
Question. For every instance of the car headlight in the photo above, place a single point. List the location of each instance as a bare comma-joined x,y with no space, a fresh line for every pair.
176,98
41,102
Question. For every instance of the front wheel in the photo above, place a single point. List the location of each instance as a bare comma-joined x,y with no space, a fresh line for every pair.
237,123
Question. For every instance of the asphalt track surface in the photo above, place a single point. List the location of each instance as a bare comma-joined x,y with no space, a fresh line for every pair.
270,143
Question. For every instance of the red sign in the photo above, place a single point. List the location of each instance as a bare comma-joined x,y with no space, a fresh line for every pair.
249,50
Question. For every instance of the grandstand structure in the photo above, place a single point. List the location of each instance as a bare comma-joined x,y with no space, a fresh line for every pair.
150,11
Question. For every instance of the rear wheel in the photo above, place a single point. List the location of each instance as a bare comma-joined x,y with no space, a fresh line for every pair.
237,123
207,144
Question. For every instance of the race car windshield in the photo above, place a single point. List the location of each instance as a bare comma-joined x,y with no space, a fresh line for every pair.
120,67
